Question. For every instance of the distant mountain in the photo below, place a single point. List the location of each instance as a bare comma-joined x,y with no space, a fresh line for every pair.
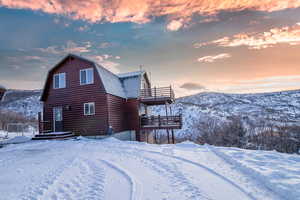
24,102
253,109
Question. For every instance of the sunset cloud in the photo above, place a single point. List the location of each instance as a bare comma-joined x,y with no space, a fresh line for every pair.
213,58
174,25
105,62
142,11
284,35
192,86
69,47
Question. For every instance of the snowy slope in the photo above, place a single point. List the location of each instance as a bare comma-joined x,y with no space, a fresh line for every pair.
111,169
25,102
254,109
277,107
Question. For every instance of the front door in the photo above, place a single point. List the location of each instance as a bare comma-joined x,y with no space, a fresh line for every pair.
57,119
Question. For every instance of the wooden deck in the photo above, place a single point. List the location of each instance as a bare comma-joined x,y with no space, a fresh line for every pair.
161,122
157,96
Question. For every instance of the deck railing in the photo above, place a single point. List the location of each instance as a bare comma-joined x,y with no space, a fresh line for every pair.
161,122
44,126
157,93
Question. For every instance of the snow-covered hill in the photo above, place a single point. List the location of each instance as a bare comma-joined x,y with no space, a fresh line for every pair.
111,169
25,102
253,109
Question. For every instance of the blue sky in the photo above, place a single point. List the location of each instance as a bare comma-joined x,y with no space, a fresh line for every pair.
231,47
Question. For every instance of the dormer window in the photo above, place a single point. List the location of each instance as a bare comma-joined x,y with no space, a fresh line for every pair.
86,76
59,80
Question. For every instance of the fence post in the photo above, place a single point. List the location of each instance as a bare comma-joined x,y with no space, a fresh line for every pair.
159,121
40,118
155,92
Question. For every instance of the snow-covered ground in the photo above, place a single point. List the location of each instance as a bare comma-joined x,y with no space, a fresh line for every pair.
111,169
4,135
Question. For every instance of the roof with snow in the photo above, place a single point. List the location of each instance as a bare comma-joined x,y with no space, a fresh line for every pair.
131,83
125,85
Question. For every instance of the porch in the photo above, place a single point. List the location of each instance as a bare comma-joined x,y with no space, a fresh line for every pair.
161,122
157,95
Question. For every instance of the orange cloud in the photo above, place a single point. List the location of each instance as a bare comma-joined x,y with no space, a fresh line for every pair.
285,35
174,25
141,11
210,59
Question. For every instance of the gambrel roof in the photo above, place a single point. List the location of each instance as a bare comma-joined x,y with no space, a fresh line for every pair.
126,85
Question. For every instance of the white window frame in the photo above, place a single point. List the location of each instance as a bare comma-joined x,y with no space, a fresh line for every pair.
61,84
89,110
86,76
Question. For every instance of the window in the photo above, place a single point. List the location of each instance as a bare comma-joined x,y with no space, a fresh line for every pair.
86,76
57,114
89,108
59,80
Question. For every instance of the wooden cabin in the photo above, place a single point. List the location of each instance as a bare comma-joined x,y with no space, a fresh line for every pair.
82,97
2,91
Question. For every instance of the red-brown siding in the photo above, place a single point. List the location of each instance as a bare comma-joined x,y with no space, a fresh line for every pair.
116,113
75,95
2,91
132,116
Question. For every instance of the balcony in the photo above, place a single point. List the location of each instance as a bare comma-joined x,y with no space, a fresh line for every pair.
161,122
157,96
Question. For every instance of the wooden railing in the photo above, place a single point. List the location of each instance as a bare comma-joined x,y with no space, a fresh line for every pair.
44,126
161,122
157,93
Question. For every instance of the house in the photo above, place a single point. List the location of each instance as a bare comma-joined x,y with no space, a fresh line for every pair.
2,91
82,97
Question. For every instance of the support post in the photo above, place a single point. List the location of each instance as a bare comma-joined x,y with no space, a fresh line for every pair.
168,136
173,138
159,121
40,121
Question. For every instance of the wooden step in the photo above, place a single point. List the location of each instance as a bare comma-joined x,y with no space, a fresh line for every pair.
54,136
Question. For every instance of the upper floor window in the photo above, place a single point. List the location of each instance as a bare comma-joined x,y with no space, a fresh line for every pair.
86,76
89,108
59,80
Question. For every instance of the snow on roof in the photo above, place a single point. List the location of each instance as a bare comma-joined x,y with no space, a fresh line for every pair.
125,85
132,82
132,86
130,74
111,82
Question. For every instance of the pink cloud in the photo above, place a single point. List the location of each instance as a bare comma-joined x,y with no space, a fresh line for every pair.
174,25
213,58
141,11
285,35
69,47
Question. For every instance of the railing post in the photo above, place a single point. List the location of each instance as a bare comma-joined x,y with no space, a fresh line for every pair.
40,118
159,121
180,120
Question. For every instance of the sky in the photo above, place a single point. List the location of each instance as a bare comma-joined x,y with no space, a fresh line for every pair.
194,45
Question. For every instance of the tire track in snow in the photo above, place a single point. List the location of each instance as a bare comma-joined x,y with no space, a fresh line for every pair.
197,165
127,176
207,169
37,189
175,177
245,171
83,179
